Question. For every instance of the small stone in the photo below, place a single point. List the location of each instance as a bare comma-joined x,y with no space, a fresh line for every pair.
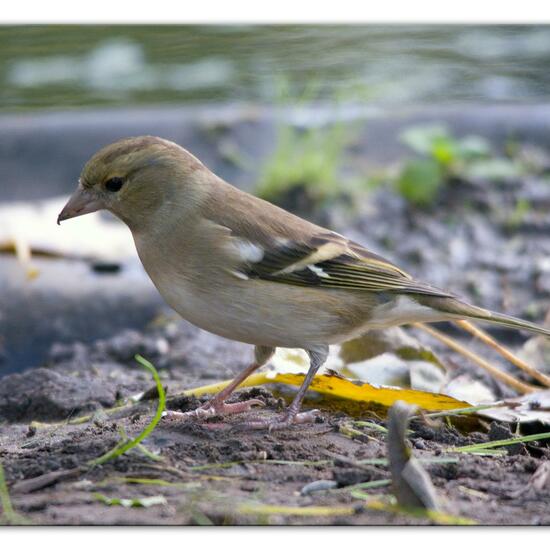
319,485
31,431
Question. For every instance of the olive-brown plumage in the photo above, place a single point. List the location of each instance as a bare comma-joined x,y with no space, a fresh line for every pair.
240,267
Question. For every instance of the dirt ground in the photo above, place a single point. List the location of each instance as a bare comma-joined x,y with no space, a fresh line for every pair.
230,475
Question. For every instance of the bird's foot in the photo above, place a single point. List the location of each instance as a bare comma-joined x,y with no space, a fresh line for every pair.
213,408
288,418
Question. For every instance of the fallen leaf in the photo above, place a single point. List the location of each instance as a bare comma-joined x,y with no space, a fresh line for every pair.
465,388
532,407
390,358
337,386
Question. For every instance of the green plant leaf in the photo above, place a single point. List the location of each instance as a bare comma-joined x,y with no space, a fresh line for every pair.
422,139
444,151
311,159
420,181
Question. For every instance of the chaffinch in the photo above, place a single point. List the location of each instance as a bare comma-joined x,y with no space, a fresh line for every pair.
244,269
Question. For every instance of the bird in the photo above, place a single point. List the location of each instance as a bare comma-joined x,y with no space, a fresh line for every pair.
242,268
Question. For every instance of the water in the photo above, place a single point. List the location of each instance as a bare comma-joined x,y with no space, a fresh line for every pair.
79,66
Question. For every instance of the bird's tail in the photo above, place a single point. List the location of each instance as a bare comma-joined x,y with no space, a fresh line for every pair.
462,310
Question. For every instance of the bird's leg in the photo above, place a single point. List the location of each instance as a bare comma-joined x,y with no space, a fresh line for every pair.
217,405
292,415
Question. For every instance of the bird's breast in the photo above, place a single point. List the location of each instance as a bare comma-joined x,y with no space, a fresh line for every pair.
251,310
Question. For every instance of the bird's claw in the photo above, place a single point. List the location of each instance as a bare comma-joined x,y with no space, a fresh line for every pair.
288,419
212,409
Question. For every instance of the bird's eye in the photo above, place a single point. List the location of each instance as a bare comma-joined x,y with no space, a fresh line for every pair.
114,184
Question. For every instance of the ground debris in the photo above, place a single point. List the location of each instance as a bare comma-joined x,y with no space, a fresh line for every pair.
410,482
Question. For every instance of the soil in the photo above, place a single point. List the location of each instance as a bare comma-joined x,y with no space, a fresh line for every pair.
216,472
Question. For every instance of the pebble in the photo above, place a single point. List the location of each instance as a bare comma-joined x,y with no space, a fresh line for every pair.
319,485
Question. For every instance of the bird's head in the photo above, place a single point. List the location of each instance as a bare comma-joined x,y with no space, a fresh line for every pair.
133,178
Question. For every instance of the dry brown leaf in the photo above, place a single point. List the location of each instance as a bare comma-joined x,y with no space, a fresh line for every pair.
532,407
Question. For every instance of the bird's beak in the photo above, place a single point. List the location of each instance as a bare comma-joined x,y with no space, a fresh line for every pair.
81,202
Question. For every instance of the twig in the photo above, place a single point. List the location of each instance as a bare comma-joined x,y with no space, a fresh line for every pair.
45,480
506,353
479,361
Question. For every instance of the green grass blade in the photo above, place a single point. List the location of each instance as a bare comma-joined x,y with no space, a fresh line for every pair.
150,481
371,425
459,412
374,484
423,460
500,443
8,514
122,448
7,508
440,518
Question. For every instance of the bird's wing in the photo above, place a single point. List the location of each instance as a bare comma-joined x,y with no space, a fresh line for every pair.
326,259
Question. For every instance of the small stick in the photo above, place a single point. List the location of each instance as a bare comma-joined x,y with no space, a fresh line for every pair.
479,361
45,480
506,353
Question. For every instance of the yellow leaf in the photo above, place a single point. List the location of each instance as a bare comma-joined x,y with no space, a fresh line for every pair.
346,389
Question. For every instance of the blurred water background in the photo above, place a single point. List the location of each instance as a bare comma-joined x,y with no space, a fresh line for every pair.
429,144
65,67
